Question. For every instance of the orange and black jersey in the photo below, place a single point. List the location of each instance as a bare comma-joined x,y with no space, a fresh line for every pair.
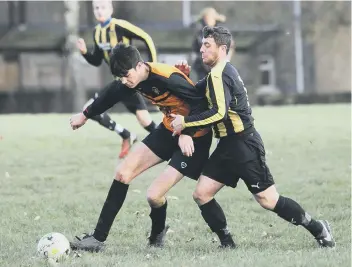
167,87
116,31
228,110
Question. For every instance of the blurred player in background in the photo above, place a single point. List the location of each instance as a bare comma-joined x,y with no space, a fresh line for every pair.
107,34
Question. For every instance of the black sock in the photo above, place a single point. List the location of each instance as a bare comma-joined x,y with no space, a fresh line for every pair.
292,212
214,216
314,227
105,120
151,127
158,216
125,134
112,205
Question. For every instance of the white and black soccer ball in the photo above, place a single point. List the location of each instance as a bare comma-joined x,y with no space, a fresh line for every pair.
54,247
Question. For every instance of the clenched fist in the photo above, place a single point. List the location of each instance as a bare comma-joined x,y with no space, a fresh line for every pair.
183,66
77,121
81,45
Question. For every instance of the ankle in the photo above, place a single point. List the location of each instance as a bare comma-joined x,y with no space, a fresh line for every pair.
101,237
225,237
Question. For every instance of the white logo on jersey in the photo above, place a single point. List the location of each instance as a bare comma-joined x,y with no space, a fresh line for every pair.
105,46
155,90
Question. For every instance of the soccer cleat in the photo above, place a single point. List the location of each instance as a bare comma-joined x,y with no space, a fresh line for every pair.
225,238
127,144
325,239
158,240
87,243
227,242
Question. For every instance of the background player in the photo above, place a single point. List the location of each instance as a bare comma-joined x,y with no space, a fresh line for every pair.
107,34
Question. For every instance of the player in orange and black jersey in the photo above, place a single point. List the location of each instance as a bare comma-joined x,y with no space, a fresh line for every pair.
174,93
107,34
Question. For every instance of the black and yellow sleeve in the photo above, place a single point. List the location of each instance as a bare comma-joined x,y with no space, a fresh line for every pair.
113,93
134,32
96,56
219,99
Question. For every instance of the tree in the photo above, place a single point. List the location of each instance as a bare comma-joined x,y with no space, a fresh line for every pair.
73,70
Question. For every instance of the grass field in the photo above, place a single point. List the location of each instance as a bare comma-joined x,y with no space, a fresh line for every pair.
54,179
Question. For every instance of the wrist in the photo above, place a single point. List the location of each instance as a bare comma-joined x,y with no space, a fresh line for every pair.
84,115
183,121
84,51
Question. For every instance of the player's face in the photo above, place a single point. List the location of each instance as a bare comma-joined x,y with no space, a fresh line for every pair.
102,10
210,20
133,77
210,51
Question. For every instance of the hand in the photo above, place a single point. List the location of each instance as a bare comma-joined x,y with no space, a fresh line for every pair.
81,45
185,142
177,124
183,66
78,120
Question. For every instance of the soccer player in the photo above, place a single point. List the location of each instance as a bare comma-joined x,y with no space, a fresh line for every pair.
173,92
240,152
107,34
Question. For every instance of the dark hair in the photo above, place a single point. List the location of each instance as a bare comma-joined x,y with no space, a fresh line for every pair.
221,35
123,58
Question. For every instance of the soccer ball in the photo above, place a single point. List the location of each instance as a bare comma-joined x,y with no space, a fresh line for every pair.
54,247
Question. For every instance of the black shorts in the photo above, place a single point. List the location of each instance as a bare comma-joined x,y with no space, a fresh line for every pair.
165,146
240,157
132,102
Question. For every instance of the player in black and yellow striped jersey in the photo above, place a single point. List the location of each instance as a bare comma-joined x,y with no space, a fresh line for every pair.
106,35
240,153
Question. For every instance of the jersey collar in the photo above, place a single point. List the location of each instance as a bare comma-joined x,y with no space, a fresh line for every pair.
105,23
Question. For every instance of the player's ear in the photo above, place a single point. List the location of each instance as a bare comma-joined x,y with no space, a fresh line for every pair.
224,48
139,64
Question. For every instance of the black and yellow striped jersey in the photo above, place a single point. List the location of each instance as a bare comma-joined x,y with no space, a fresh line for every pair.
115,31
229,111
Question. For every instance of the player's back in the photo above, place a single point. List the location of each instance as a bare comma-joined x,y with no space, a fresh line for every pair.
108,35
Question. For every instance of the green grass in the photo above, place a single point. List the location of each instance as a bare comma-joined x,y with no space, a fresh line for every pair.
48,170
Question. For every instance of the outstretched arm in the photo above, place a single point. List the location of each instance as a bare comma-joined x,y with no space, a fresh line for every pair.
95,57
111,94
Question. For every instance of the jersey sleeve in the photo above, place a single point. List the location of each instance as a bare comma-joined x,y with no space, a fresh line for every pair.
219,96
94,57
134,32
113,93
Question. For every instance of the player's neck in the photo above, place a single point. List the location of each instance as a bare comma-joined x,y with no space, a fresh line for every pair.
220,60
105,23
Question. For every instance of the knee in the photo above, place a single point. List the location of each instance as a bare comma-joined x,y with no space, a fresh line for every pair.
201,197
143,117
267,201
155,199
123,176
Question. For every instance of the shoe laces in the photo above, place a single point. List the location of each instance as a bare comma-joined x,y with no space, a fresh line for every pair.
84,236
